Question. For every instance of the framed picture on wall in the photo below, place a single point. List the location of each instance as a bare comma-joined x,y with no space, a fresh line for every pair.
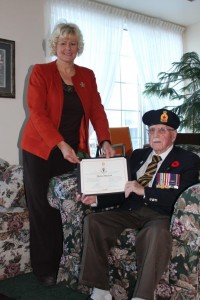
7,68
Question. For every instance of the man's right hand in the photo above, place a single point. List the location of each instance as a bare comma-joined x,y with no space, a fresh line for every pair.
88,200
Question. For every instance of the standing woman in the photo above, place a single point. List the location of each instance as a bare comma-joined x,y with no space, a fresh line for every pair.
62,99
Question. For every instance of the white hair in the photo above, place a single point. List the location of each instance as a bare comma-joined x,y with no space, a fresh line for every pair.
61,30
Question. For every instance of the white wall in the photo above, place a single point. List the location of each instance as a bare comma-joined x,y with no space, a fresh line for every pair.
23,22
191,39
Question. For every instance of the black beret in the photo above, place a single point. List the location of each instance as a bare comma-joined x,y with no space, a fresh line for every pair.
161,116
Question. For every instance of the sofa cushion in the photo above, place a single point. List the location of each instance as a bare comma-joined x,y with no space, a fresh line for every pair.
3,166
14,242
12,187
13,219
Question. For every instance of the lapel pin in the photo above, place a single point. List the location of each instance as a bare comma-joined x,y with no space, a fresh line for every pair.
82,84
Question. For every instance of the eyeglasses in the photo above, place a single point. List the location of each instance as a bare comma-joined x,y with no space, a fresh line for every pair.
162,130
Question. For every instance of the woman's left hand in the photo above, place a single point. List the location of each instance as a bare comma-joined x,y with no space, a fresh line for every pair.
108,151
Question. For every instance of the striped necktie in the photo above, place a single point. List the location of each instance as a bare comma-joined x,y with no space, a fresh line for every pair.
150,171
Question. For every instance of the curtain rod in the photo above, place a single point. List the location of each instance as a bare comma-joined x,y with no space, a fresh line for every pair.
182,28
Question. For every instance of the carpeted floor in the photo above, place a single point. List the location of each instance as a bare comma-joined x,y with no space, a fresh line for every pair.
26,287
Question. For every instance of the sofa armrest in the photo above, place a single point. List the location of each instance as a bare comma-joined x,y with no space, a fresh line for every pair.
62,195
186,211
3,166
12,187
185,229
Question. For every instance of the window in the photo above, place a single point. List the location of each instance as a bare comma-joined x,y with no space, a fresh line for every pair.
124,108
157,44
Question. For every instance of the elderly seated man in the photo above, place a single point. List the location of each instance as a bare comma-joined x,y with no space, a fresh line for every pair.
159,174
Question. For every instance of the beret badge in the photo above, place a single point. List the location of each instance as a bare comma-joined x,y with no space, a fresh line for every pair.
164,117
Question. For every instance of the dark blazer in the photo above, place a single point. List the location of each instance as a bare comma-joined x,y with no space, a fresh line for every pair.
158,199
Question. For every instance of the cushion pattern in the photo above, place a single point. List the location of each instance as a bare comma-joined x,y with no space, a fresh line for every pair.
12,187
14,222
181,279
14,242
62,195
3,166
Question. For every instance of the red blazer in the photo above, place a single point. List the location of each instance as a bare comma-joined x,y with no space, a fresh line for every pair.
45,102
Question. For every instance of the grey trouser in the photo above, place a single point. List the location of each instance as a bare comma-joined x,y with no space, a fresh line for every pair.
153,247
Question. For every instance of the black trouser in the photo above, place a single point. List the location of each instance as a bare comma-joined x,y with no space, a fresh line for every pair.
153,247
46,235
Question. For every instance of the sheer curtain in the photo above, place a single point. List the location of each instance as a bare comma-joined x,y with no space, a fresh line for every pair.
156,44
102,28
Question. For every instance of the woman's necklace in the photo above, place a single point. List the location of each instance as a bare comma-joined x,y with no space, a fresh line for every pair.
66,73
68,88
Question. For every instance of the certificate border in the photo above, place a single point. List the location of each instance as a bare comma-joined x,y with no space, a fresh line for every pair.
81,170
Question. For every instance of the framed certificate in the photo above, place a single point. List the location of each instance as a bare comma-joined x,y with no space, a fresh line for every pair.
102,175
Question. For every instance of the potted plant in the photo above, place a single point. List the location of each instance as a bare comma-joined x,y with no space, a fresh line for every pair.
182,82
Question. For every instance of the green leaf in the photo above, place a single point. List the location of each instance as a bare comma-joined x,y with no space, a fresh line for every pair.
181,82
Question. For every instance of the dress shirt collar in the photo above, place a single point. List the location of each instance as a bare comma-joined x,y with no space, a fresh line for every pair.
164,154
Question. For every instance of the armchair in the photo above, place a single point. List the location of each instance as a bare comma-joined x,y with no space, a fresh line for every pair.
121,141
121,138
14,222
181,279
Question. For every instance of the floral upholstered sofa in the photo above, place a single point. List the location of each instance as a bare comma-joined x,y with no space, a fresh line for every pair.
14,222
181,279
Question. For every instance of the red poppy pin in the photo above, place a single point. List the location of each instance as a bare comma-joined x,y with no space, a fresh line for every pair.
175,164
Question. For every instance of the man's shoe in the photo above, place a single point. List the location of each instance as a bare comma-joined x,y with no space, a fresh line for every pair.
47,280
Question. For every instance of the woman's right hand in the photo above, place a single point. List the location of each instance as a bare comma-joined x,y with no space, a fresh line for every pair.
68,153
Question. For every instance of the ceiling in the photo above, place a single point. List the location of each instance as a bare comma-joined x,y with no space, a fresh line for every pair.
182,12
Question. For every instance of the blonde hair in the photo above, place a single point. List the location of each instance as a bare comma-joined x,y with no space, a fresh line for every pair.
61,30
